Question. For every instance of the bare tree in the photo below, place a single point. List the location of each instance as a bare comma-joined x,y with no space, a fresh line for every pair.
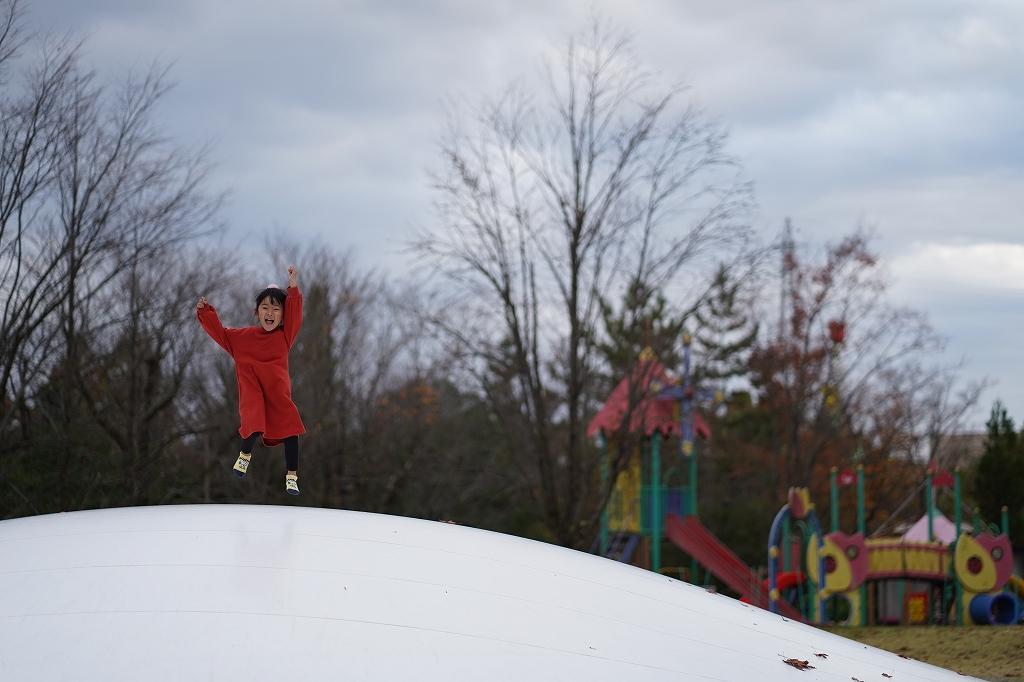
547,207
31,275
125,200
91,194
134,365
847,368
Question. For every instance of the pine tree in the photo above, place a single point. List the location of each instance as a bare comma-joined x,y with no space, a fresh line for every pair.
999,479
642,321
725,333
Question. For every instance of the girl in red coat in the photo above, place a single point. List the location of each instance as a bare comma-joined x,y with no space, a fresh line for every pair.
261,366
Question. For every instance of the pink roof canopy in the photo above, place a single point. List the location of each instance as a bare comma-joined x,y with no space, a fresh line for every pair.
943,529
650,414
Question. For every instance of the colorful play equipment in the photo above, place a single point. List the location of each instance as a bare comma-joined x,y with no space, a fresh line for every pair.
639,499
800,509
933,573
647,505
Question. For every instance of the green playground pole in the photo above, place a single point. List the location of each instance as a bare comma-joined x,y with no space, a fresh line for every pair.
929,498
833,488
957,520
692,502
1004,513
602,445
862,529
656,502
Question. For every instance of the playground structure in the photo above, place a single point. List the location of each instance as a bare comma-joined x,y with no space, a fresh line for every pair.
934,573
647,504
633,515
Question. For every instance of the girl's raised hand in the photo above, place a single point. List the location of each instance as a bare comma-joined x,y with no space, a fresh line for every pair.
203,303
293,276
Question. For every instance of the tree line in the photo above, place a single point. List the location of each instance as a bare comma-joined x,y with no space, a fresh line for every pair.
579,225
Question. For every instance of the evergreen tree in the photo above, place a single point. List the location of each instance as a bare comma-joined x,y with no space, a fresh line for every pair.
999,479
643,321
725,332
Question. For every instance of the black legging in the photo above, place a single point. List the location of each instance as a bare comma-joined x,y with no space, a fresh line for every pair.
291,449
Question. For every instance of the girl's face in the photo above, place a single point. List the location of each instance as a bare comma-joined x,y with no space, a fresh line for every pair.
269,314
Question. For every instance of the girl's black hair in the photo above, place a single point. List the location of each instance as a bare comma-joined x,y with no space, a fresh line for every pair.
274,294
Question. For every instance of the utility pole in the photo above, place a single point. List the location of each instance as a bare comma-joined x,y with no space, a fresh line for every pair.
785,275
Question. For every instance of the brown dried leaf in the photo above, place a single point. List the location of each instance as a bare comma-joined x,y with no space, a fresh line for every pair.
798,664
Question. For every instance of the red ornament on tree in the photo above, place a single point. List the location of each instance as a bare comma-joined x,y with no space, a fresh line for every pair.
837,331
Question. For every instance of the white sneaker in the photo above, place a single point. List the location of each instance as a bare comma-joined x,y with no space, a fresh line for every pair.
242,464
291,484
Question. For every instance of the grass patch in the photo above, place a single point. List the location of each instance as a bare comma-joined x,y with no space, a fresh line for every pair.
992,653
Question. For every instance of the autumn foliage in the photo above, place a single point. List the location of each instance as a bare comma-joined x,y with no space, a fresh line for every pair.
828,389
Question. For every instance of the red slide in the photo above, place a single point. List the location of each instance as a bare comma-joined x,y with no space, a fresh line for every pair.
690,535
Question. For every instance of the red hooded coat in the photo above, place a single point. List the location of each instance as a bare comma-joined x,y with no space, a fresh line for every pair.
261,367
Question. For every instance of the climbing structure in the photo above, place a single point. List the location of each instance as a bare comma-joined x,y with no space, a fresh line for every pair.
935,572
644,507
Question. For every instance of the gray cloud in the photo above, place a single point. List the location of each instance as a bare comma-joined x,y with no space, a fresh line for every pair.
907,116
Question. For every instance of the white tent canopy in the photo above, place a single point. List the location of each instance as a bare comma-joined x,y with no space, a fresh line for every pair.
219,592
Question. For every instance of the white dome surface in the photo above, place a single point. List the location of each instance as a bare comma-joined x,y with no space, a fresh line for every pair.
250,593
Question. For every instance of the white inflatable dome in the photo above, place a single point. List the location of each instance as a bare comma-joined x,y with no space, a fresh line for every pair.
252,593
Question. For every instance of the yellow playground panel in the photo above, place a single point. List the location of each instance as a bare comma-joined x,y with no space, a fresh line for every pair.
895,558
625,505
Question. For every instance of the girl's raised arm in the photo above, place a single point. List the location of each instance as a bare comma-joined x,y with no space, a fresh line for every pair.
292,307
208,318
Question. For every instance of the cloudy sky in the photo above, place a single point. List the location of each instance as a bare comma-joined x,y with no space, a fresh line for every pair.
904,116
